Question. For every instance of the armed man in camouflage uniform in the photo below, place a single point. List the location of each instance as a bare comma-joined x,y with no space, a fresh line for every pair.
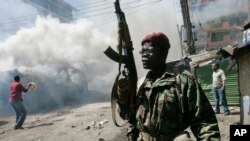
167,104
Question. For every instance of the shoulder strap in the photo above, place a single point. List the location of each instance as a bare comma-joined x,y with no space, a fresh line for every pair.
181,81
180,97
188,74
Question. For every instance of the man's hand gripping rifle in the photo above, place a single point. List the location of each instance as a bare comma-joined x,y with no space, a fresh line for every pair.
124,56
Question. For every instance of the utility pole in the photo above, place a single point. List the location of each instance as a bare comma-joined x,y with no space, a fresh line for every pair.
188,27
181,45
248,10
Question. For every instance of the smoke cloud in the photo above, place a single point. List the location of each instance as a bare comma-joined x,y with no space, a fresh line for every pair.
66,60
217,9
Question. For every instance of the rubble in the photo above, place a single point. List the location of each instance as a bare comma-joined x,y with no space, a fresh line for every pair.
91,125
103,122
87,128
100,139
100,124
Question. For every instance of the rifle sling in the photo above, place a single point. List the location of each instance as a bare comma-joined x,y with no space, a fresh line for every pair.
114,102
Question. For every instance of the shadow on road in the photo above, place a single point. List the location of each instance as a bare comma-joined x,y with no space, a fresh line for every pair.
3,123
43,124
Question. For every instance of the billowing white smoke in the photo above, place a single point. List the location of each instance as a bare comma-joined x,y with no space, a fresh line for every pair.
64,59
219,8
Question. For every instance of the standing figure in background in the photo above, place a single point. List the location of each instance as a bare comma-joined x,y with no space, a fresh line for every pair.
16,101
219,81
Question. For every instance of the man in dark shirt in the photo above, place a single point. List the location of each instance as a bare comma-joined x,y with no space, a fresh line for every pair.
16,99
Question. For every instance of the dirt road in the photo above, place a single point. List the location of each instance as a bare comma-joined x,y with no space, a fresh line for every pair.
90,122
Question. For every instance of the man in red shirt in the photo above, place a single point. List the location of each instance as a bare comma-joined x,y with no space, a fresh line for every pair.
16,99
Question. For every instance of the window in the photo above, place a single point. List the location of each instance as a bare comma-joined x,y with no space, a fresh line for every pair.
194,1
218,36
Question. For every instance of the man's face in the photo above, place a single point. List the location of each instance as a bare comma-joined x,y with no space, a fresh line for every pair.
151,56
214,67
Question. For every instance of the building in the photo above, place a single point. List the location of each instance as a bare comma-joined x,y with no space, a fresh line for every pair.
216,22
25,14
56,8
241,57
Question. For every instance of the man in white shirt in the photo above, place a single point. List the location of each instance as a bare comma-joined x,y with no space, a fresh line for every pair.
219,80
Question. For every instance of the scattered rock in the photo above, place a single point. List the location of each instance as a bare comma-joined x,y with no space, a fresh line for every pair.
103,122
93,123
100,139
87,128
100,126
101,114
91,126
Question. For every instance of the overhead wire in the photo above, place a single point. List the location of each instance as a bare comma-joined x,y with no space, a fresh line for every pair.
130,13
107,12
94,15
91,5
103,8
109,19
95,9
96,19
100,3
151,2
112,19
141,7
134,1
127,13
21,19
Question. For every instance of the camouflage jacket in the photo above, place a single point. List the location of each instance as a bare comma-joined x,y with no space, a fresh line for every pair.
170,104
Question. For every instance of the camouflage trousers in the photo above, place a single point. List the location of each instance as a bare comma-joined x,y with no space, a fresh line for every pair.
184,136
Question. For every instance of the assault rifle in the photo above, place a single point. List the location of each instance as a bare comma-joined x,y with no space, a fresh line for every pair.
124,56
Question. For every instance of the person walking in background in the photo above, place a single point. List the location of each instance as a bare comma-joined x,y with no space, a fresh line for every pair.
219,80
16,101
